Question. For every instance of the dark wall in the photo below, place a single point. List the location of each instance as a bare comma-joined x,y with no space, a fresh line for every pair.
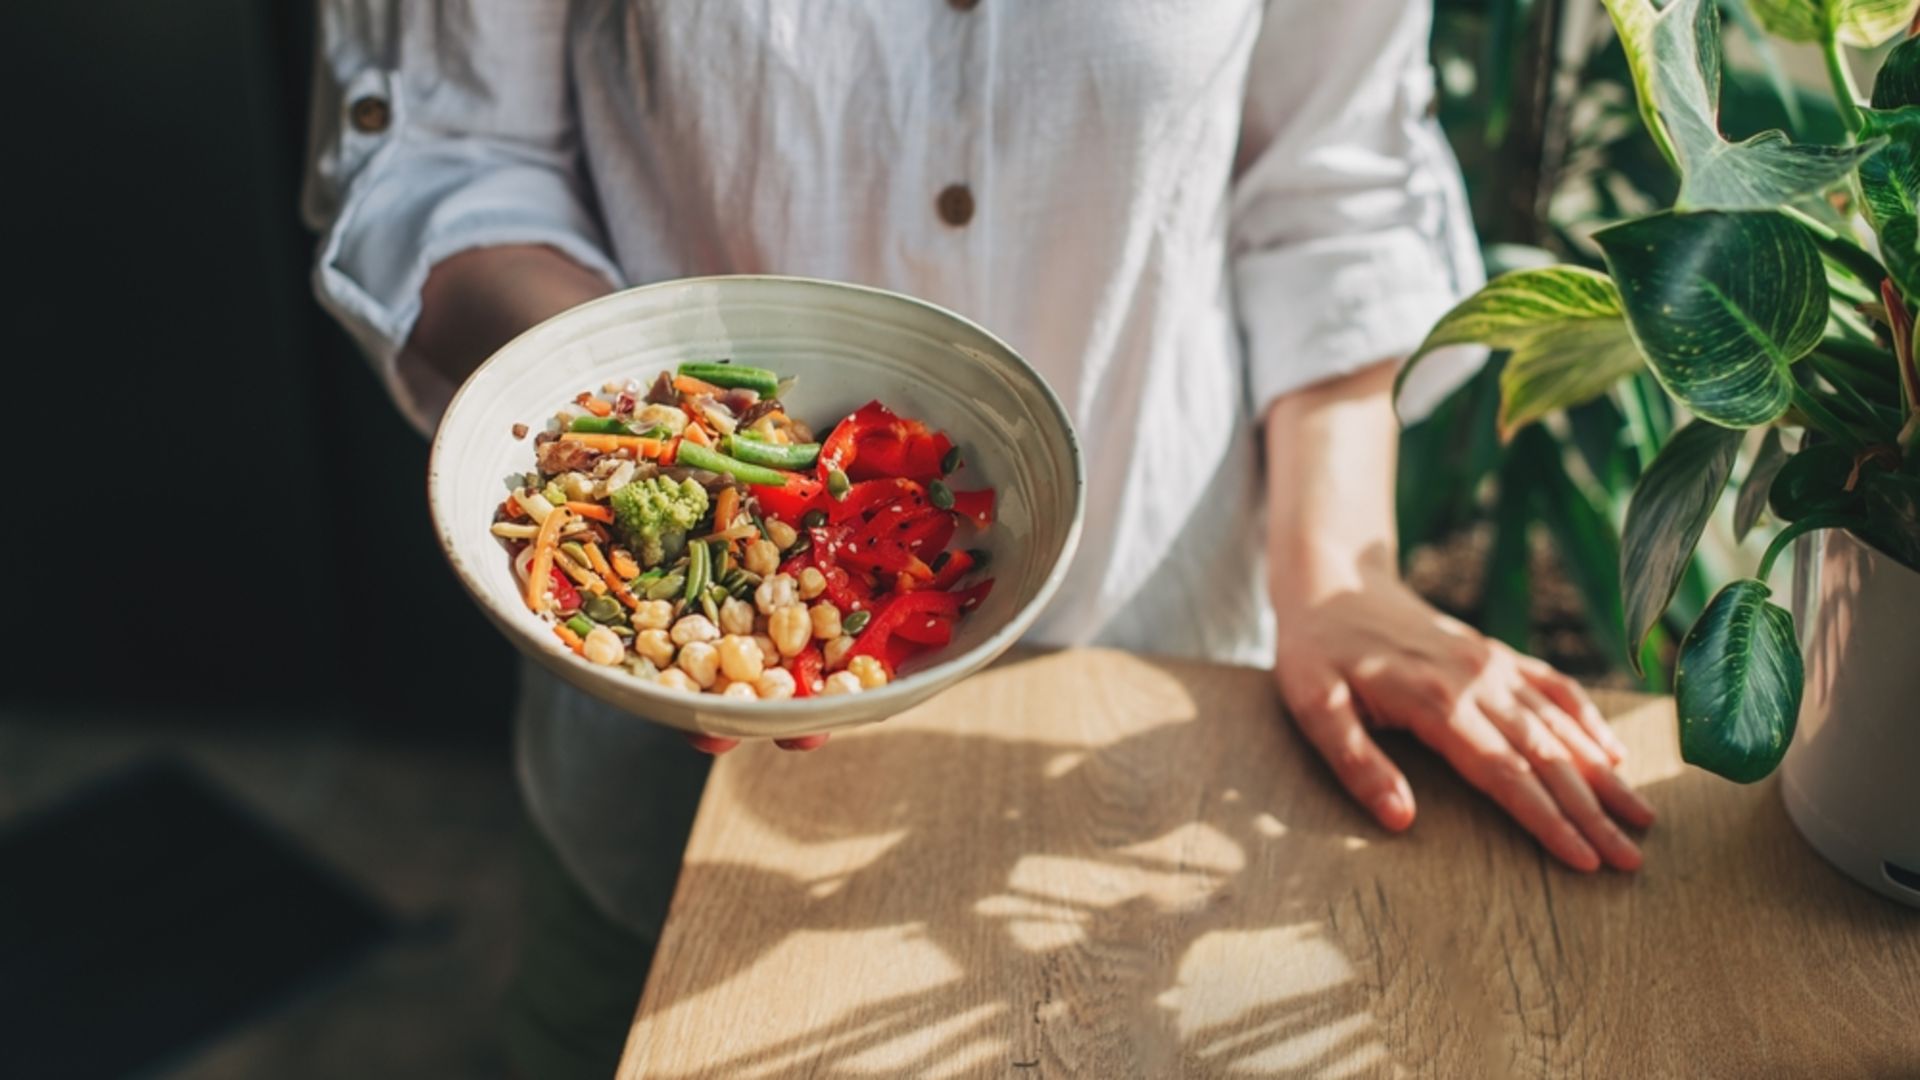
217,505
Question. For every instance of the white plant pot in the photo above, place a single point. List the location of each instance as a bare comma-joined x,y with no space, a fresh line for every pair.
1851,779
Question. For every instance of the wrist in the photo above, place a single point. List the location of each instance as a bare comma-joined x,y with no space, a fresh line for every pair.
1304,570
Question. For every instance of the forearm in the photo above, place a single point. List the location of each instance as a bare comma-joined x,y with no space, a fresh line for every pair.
476,301
1331,453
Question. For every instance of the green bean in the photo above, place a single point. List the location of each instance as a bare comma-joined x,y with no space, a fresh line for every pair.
581,625
728,374
697,559
694,456
772,455
813,519
856,622
837,484
940,494
601,425
709,609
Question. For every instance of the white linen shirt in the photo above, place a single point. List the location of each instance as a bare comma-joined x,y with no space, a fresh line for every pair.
1181,209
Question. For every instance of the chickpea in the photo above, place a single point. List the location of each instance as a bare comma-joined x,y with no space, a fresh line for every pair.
775,593
842,682
812,583
736,617
700,661
653,615
762,557
740,658
655,645
675,679
775,684
692,628
790,627
769,652
869,670
603,646
826,621
744,691
782,534
835,652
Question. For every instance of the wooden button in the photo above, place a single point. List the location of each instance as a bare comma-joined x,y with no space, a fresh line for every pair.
963,5
369,115
955,205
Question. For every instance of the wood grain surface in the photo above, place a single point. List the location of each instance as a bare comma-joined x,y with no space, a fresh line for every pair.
1087,864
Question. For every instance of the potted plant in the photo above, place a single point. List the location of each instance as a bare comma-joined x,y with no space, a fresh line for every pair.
1776,296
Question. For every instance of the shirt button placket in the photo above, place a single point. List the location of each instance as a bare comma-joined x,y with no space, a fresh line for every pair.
966,124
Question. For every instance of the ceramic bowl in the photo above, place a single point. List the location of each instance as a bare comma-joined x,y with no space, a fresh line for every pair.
845,345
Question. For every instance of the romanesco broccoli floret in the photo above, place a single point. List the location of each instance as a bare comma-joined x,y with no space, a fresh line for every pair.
654,515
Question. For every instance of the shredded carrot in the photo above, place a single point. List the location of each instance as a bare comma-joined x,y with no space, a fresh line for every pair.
725,507
607,444
592,512
596,560
697,434
614,583
687,384
671,452
540,571
597,407
625,568
565,633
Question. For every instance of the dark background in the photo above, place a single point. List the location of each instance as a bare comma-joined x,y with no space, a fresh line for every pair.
253,520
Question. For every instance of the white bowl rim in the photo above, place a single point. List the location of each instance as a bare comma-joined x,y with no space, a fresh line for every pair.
906,690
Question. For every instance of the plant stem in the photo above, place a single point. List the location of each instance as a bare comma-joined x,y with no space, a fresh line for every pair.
1850,256
1799,528
1845,94
1822,418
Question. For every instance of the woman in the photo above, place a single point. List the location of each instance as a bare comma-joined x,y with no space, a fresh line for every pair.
1213,226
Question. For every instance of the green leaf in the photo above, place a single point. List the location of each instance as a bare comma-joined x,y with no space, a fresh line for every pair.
1737,684
1759,479
1898,82
1584,539
1563,326
1670,508
1720,305
1890,189
1893,515
1674,56
1863,23
1813,481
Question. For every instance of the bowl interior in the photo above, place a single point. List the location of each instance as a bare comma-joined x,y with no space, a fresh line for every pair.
845,346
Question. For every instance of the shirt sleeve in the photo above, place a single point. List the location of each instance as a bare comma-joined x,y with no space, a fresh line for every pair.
437,128
1349,231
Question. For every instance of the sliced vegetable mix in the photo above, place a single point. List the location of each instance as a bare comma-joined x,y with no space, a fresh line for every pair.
690,530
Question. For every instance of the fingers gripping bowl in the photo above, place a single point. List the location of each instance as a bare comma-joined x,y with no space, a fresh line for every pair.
842,346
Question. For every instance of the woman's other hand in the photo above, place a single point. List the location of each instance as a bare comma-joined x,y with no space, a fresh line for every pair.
1359,648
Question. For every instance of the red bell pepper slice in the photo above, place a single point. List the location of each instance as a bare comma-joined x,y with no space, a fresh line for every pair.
871,496
564,594
791,502
807,666
875,443
891,613
958,564
975,506
933,631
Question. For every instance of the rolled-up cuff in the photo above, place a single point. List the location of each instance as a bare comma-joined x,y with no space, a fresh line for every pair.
418,207
1331,307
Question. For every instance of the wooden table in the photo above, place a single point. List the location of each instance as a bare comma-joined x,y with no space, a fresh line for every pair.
1087,864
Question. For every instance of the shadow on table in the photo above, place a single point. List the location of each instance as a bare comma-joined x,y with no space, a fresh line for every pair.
1145,917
